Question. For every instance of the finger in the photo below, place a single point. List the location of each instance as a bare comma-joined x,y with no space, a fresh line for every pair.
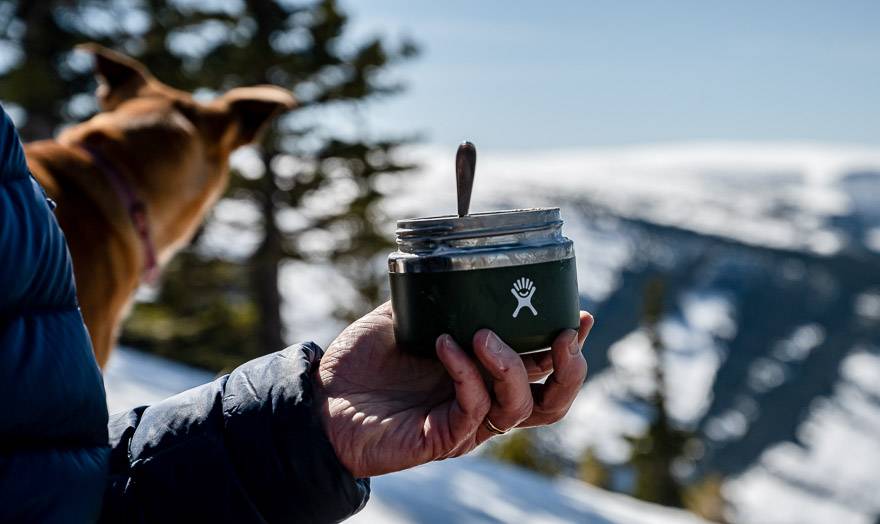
452,423
538,365
554,398
510,383
585,326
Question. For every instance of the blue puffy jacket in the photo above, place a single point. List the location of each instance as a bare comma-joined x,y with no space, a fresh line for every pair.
244,448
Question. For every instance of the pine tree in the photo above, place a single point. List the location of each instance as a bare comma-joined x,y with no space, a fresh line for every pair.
664,444
655,452
212,309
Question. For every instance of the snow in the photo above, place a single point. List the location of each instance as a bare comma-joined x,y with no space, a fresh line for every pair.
602,252
798,346
599,419
469,489
769,194
709,313
133,379
872,239
323,290
603,415
868,305
833,477
472,489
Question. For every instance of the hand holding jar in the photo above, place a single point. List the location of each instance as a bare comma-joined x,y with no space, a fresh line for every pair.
385,409
478,300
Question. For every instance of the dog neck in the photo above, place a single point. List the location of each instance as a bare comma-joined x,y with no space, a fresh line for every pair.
134,206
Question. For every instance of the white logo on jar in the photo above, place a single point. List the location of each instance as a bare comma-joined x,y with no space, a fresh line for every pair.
523,290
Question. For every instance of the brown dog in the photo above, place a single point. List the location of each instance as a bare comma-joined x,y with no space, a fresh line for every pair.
134,182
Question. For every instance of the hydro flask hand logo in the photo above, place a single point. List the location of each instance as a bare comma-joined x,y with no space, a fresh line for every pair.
523,290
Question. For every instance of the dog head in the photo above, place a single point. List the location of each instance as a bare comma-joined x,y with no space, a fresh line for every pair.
175,148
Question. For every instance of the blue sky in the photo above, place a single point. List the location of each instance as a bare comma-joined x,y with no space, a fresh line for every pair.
557,74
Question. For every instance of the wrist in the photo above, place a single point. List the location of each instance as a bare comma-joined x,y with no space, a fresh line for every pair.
321,409
321,401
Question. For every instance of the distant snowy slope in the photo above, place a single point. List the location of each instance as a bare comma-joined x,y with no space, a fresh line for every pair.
470,489
774,194
833,477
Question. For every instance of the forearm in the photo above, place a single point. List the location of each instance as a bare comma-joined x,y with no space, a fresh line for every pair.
246,447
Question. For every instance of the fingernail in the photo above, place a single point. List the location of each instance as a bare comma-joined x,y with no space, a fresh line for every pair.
442,341
573,346
495,347
493,343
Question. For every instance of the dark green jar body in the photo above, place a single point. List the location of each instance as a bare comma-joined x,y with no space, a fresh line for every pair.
511,272
460,303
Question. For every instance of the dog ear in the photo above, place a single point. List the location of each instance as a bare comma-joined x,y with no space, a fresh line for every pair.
119,76
252,108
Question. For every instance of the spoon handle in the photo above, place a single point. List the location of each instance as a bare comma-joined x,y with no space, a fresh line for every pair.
465,165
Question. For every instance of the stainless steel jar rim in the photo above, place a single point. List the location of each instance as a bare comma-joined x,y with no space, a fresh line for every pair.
480,259
479,241
478,224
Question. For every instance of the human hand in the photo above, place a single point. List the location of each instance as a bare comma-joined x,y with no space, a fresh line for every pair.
385,410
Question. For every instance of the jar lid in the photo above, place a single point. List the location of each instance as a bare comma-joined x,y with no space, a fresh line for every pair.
479,224
479,240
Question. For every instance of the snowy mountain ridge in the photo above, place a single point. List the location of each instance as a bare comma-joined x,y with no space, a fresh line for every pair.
767,194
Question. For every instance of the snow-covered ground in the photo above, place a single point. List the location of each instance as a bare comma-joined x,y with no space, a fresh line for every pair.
133,379
473,489
470,489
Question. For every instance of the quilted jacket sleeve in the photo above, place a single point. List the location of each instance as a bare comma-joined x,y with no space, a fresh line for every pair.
244,448
53,427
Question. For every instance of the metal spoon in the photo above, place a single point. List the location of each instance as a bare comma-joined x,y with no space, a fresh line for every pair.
465,165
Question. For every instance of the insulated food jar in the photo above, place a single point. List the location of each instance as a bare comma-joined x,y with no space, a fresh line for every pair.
510,271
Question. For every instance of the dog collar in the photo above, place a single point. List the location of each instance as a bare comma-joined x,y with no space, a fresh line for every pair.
137,210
